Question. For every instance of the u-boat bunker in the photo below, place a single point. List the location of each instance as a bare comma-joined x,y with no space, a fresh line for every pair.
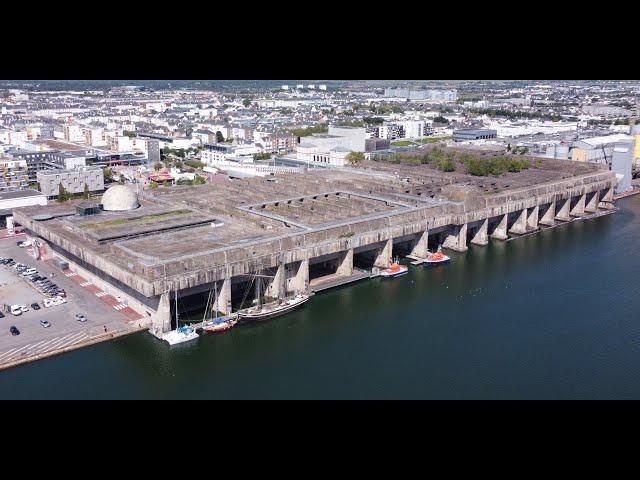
298,229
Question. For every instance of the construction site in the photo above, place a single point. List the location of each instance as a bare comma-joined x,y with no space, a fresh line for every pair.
305,231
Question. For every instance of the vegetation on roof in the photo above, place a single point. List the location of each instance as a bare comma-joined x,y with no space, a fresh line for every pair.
155,217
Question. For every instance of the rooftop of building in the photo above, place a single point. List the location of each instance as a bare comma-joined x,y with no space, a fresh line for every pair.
172,231
11,195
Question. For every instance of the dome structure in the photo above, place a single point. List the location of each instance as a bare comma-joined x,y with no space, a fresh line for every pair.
119,198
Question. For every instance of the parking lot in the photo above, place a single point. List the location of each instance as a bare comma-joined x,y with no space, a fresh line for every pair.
65,329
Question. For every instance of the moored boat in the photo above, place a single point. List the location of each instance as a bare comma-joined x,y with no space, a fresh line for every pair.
274,309
220,324
180,335
436,258
395,270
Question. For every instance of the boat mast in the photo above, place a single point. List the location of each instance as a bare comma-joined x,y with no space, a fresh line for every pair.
215,288
177,324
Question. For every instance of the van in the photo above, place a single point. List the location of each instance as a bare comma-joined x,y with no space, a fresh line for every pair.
16,310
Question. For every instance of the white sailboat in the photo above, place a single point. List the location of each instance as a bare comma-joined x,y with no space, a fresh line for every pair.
181,334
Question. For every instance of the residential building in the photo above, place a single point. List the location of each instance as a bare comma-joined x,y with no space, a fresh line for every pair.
73,181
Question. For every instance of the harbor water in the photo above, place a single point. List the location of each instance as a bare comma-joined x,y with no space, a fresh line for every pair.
551,315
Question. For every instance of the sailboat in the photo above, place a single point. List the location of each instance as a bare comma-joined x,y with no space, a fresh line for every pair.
274,309
219,324
181,334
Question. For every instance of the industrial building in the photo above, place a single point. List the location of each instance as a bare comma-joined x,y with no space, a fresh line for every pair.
474,134
16,199
300,230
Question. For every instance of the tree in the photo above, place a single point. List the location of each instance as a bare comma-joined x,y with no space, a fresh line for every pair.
199,180
63,195
108,175
246,102
157,166
153,185
86,191
129,133
355,157
189,130
219,137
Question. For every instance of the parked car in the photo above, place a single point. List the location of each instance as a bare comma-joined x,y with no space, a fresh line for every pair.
80,317
16,310
35,306
1,315
14,330
24,308
45,324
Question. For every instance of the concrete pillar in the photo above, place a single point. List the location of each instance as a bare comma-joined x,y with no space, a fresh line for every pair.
608,195
457,238
384,256
223,304
421,248
346,265
549,217
500,232
592,204
520,227
276,288
532,218
563,214
578,210
161,319
481,237
299,282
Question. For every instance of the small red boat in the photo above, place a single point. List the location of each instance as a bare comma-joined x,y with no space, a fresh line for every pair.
394,270
220,324
436,258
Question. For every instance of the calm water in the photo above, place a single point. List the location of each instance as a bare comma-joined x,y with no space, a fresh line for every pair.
553,315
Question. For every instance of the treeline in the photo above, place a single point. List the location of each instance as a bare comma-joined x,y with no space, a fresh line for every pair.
483,167
436,157
307,131
446,161
510,114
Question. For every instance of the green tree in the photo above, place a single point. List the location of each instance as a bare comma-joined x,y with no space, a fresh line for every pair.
153,185
219,137
246,102
86,191
129,133
355,157
157,166
199,180
108,175
63,195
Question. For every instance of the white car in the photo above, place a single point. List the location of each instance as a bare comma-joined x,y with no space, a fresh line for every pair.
16,310
45,324
24,308
80,317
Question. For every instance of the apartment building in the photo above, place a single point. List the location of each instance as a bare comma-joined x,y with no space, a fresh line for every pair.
73,181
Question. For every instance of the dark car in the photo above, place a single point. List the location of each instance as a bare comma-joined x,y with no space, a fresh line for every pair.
35,306
1,315
14,330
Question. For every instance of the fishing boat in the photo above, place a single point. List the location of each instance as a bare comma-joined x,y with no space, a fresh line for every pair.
180,335
436,258
395,270
218,324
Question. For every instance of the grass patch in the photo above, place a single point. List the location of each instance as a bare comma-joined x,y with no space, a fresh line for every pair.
136,220
402,143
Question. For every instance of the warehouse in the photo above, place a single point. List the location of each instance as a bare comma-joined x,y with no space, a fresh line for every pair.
474,134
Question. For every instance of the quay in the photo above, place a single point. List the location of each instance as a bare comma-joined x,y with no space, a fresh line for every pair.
305,231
